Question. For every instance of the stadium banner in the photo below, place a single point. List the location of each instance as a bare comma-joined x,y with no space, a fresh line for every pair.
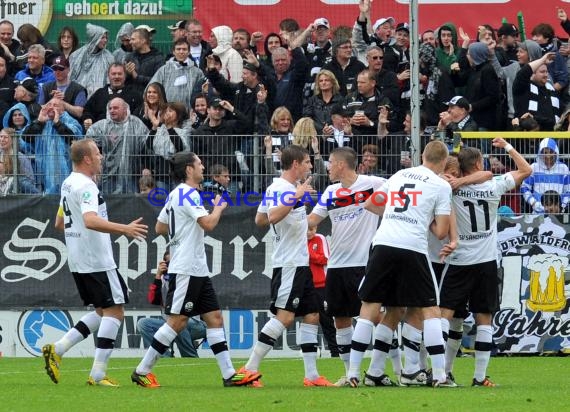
23,333
34,274
536,285
263,15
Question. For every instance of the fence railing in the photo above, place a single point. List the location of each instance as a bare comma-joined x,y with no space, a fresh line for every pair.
250,161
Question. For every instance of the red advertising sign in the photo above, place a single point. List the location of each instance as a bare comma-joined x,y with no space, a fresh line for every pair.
265,15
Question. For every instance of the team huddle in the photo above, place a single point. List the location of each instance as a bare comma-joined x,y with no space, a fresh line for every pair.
430,262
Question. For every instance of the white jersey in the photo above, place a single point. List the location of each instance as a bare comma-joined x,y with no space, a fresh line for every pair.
476,210
290,234
181,213
434,247
405,223
88,251
353,227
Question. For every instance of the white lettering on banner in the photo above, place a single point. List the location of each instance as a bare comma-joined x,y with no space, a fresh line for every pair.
257,2
54,253
141,261
49,251
161,243
217,247
239,244
268,242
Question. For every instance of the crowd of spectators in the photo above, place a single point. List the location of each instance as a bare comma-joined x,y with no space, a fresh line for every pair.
237,98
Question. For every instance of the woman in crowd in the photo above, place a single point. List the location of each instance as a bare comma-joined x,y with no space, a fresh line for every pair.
305,135
199,110
318,107
90,64
166,137
154,104
12,171
281,124
29,34
67,41
18,118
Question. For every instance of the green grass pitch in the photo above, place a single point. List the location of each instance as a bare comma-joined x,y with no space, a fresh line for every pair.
526,384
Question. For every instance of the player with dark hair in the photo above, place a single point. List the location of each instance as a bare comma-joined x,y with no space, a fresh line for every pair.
184,218
471,274
292,289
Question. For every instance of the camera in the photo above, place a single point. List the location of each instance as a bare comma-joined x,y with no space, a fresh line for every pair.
220,189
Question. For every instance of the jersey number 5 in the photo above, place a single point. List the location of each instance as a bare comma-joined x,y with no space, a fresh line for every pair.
403,196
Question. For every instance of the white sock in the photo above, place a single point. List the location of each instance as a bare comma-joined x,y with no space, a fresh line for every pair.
272,330
343,340
73,336
483,345
105,342
423,356
396,355
217,340
382,343
161,341
445,328
453,342
435,346
360,340
308,340
412,339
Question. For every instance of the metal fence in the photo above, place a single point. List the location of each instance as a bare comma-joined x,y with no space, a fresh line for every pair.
251,162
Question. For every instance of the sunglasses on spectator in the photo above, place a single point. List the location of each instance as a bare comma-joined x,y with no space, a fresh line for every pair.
59,68
376,57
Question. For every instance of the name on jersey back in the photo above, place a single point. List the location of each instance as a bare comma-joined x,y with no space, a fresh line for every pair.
477,194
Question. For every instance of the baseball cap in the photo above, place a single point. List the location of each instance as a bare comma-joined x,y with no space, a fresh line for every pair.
60,62
215,102
459,101
508,29
383,20
178,25
249,66
146,27
339,110
29,84
321,21
403,26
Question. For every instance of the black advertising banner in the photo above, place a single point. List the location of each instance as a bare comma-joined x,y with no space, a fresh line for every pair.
33,262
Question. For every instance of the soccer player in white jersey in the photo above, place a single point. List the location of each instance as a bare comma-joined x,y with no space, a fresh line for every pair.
184,218
471,274
353,228
292,290
398,273
82,215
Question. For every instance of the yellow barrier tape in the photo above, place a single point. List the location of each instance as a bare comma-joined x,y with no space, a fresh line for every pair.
514,135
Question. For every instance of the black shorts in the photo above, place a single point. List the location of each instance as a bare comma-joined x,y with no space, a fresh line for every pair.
476,284
190,295
341,291
399,277
293,290
437,270
102,289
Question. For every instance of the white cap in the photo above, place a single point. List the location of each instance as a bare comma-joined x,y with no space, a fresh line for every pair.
321,21
151,30
383,20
